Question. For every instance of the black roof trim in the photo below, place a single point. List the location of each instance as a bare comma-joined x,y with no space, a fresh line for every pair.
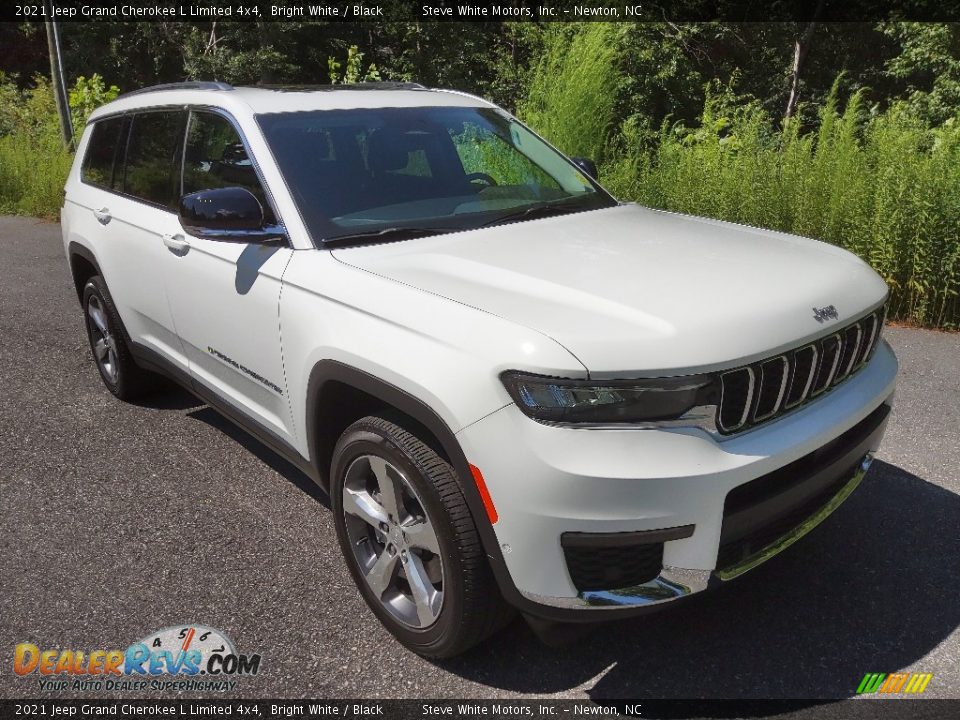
188,85
375,85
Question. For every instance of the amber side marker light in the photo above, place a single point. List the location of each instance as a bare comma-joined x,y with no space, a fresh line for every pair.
484,494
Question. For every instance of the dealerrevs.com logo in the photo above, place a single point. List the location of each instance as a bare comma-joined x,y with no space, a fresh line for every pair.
197,657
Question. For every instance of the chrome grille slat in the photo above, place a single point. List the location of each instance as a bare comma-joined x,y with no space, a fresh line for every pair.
831,349
770,384
807,382
848,353
870,325
746,399
757,393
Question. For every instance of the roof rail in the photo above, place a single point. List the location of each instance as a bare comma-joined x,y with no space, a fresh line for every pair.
366,85
188,85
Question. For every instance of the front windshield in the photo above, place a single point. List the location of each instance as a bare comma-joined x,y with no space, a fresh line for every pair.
370,173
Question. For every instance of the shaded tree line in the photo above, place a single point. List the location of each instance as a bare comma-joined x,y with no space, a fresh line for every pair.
663,67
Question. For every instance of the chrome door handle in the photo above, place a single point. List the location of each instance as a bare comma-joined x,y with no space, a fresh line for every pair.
103,216
177,243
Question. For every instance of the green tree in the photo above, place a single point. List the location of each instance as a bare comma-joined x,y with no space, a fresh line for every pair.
929,65
353,71
86,95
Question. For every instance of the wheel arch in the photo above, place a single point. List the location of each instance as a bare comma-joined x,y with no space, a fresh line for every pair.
339,394
83,266
330,378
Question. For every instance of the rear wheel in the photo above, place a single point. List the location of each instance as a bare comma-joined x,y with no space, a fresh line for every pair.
118,370
410,541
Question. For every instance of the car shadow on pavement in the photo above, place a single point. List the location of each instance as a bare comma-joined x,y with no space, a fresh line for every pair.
281,466
168,396
873,589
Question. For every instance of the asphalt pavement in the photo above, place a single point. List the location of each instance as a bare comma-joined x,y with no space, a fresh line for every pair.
118,520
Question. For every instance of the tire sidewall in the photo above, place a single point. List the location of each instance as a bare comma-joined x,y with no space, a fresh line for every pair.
368,440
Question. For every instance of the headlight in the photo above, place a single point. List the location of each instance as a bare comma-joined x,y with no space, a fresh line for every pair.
679,401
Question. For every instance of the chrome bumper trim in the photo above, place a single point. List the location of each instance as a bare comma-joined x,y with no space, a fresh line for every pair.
673,582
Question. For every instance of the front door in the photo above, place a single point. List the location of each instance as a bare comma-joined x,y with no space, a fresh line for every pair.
225,296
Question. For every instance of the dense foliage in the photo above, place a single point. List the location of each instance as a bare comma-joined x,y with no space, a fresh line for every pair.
689,117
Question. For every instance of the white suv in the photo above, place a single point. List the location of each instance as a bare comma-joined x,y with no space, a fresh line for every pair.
517,391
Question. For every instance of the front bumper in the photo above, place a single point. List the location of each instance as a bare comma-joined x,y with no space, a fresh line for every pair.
549,483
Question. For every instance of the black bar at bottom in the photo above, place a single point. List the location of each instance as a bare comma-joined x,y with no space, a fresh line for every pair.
865,708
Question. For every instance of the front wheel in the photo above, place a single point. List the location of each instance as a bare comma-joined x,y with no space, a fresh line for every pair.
410,541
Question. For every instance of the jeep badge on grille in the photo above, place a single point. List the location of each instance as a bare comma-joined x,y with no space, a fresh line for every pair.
825,313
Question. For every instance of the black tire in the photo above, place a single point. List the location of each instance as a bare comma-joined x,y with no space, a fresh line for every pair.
472,607
122,376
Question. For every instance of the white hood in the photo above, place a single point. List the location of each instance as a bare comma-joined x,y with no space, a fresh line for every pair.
635,290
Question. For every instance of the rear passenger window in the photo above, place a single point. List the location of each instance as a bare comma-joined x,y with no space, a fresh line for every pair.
216,157
98,163
152,166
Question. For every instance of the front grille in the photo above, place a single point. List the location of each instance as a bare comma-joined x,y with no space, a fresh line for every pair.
609,568
766,389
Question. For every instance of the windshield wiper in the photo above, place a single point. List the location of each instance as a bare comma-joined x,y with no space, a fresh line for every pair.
387,234
541,209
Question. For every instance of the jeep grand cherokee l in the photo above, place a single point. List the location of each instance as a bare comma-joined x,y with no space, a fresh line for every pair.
517,391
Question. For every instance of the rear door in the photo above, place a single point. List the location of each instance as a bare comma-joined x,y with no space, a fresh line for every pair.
122,229
225,296
134,214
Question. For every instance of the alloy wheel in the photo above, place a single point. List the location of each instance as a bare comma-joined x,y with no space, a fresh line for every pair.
101,339
393,541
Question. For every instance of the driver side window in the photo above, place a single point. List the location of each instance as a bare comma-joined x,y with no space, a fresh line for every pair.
216,157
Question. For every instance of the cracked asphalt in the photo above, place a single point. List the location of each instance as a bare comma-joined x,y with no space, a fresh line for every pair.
118,520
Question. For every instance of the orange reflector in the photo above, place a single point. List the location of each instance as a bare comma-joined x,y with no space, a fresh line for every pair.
484,494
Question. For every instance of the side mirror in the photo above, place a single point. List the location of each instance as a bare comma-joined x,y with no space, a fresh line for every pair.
588,166
230,214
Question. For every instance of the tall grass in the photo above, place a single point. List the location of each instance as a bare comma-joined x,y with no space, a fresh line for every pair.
881,185
32,176
571,93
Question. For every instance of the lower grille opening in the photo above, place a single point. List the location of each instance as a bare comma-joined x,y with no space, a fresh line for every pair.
760,512
610,568
736,551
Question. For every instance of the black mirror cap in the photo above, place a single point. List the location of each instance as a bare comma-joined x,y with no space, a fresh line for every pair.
231,214
587,165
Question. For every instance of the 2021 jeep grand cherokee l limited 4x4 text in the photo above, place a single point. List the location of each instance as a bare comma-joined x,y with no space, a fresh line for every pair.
518,392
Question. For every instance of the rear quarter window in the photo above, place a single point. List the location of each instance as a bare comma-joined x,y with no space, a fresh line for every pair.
102,152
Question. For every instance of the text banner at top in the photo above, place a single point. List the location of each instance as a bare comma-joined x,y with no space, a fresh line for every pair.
460,11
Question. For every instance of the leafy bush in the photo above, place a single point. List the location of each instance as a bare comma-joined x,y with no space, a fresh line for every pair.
86,95
33,161
353,72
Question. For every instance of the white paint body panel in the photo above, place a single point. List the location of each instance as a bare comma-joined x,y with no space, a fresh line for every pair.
621,292
224,298
131,255
444,353
632,291
556,480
